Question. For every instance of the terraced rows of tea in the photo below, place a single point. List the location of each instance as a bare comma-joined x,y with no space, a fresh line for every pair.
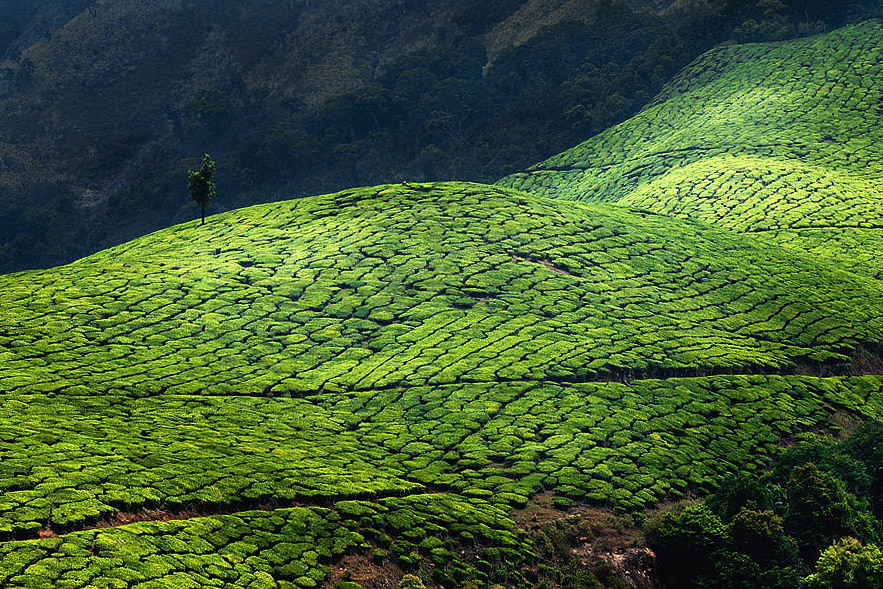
381,375
282,548
780,140
387,372
389,287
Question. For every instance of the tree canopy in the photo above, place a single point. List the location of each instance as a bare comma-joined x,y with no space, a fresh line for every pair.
202,189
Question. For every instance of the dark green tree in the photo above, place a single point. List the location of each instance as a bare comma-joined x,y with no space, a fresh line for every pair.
202,189
688,544
818,509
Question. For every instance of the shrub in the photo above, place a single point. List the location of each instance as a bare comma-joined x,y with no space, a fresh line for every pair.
411,582
847,564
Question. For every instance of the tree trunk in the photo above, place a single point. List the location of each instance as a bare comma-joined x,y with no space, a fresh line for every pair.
203,214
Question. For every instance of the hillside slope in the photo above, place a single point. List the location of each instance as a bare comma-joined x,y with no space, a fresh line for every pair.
423,285
394,368
375,379
780,140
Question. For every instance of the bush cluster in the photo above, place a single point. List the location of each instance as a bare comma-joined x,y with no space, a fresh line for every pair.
815,521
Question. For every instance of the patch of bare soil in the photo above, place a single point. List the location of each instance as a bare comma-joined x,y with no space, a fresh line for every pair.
589,537
160,514
604,530
359,568
546,263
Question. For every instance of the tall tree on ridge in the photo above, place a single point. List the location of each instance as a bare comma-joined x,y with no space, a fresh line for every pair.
202,189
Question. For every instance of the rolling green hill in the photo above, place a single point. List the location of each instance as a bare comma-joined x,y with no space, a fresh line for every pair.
783,141
377,378
423,285
394,368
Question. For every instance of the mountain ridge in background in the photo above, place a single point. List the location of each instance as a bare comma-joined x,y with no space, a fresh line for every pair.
105,105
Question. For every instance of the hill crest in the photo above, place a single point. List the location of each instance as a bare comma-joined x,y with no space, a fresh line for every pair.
426,285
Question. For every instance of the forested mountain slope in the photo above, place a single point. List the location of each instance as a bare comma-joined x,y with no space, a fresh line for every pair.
782,141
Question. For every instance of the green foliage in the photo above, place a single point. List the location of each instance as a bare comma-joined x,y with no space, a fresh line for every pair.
363,350
346,292
202,189
742,491
774,23
777,140
759,534
411,582
337,322
847,564
688,543
249,548
817,508
769,531
866,446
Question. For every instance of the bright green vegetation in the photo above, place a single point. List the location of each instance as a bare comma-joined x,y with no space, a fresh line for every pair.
72,460
768,531
783,141
454,346
277,549
427,285
385,373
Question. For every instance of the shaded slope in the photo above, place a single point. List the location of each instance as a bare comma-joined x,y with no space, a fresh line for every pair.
105,105
428,284
782,140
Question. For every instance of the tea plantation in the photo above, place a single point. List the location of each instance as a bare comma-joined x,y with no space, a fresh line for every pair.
386,373
783,141
440,344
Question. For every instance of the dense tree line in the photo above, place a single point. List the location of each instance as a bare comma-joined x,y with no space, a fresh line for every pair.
441,114
815,521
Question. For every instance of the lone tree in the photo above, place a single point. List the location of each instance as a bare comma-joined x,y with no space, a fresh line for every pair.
202,189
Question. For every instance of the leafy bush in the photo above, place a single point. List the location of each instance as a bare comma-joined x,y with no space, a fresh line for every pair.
847,564
411,582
